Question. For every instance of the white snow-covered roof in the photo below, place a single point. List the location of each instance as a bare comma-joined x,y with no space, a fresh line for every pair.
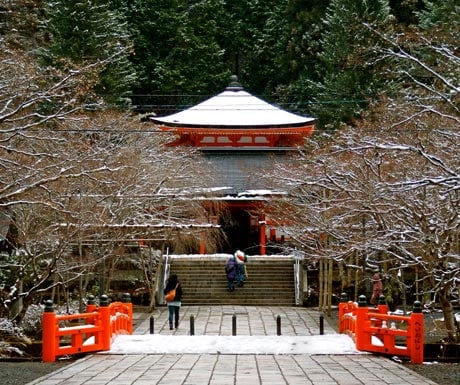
237,108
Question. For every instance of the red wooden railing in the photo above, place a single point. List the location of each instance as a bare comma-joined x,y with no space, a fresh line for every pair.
100,326
374,330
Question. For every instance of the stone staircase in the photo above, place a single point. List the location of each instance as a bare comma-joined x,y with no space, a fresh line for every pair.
270,281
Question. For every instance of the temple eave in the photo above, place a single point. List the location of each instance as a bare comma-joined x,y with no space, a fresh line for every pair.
240,131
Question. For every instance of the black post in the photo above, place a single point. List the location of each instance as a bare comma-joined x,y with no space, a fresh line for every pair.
278,325
321,324
234,324
192,325
151,324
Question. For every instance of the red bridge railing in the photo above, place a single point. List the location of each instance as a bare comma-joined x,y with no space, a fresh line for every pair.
374,330
101,325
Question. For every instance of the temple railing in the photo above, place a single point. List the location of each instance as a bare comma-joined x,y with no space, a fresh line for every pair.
375,330
93,330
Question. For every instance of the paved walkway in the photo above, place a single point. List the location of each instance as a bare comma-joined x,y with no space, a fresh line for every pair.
234,369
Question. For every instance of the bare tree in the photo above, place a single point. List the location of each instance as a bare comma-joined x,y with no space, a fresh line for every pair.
384,193
77,185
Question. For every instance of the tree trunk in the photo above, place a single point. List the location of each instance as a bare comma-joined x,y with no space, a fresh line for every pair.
329,284
447,311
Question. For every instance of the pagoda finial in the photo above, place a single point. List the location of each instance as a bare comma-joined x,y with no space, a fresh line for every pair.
234,85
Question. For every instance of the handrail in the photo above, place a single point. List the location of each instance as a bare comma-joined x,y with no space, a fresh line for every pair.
165,274
101,325
374,330
297,279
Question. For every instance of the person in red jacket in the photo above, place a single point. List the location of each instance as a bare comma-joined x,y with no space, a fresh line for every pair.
377,287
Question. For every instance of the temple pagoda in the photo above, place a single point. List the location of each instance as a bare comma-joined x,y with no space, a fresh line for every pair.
240,135
235,119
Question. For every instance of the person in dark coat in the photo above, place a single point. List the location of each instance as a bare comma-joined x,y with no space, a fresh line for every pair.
175,304
230,271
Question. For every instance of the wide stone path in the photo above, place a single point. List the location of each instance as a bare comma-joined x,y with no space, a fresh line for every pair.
234,369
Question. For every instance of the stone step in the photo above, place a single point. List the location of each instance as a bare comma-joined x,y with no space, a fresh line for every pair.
270,282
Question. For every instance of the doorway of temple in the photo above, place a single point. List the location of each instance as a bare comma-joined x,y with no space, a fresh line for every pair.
240,231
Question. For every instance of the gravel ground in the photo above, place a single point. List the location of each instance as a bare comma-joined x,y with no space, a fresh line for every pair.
443,374
21,373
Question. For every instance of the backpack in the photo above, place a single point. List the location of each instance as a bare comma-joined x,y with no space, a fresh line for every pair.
230,268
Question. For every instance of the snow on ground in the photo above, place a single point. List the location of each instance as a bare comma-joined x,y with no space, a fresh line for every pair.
165,344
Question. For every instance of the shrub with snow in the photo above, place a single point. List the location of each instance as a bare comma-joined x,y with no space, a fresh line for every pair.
12,339
32,321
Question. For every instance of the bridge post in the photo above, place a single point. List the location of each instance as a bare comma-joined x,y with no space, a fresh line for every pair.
90,304
382,306
342,306
104,311
49,335
362,338
91,308
416,334
128,306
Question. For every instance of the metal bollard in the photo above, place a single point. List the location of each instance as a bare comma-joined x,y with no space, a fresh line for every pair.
278,325
151,324
234,324
192,325
321,324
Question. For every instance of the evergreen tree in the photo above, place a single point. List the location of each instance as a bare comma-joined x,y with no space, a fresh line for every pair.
91,31
176,46
255,43
405,12
299,53
185,47
347,69
442,14
305,23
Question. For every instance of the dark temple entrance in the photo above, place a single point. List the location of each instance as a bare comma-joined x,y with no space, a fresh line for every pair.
241,230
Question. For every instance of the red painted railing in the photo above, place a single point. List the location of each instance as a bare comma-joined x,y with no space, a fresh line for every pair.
374,330
100,326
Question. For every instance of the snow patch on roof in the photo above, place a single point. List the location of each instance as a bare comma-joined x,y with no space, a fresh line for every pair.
234,108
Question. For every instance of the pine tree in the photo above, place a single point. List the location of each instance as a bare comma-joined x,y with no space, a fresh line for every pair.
177,46
347,66
91,31
255,42
440,13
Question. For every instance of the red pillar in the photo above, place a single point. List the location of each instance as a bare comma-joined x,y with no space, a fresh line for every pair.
49,335
262,240
106,324
202,247
129,311
362,336
416,339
